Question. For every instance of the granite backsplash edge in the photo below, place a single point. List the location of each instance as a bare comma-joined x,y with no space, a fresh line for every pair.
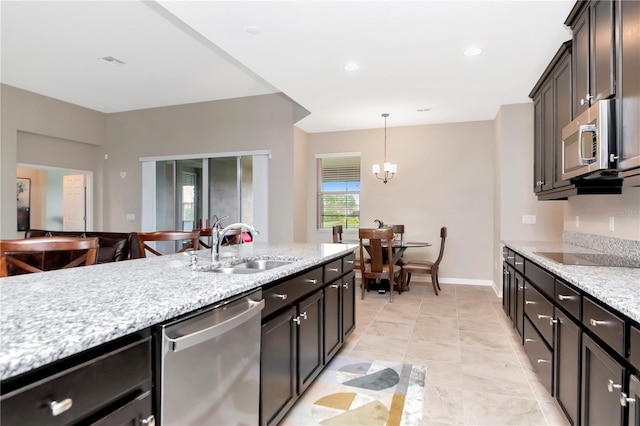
617,246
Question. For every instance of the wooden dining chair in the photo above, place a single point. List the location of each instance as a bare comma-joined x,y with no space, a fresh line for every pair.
28,255
144,237
378,241
426,267
337,234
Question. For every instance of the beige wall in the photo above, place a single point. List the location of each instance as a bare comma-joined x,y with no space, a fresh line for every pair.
445,177
26,114
300,185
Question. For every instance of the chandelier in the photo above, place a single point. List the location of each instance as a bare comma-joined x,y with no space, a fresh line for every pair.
388,168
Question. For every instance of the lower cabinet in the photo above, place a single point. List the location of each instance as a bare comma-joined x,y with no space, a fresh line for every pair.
310,340
567,366
539,354
632,400
601,386
348,304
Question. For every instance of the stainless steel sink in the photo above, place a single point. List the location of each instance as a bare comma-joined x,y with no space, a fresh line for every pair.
261,264
233,270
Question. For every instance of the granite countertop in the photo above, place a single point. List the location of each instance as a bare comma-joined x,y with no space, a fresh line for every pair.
48,316
617,287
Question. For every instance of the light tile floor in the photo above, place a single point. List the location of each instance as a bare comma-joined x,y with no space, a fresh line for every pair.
478,373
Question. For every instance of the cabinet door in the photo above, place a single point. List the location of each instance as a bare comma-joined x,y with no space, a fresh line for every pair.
518,286
567,367
278,367
505,288
310,347
538,145
602,377
131,414
548,133
633,401
563,116
602,59
580,59
348,304
332,323
629,84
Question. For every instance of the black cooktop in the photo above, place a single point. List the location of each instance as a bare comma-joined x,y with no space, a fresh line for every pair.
590,259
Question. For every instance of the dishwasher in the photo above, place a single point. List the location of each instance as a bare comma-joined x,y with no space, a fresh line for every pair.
210,365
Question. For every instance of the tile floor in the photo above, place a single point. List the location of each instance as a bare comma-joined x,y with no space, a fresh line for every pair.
478,373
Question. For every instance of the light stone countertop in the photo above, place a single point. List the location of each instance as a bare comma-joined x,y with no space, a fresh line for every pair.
48,316
617,287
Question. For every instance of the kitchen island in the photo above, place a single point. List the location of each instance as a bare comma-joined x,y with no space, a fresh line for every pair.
49,316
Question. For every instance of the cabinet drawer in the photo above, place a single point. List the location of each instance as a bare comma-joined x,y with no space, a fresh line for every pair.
539,354
541,278
132,413
349,262
518,262
604,324
569,299
634,356
540,312
288,292
84,389
332,270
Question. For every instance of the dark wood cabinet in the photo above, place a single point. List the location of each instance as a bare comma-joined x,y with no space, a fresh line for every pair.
552,111
567,365
278,366
632,400
332,319
602,381
628,85
310,340
348,304
594,78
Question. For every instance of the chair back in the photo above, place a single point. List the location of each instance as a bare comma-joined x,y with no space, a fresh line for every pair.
379,241
13,252
443,237
144,237
398,230
337,233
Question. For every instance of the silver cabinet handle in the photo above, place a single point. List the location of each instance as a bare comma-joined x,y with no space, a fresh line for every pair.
59,407
596,323
611,386
564,297
300,317
303,315
149,421
625,400
519,263
310,281
280,296
350,262
510,257
334,285
345,286
529,302
529,340
297,320
333,269
542,361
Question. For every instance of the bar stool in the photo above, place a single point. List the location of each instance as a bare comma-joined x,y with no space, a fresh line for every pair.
143,237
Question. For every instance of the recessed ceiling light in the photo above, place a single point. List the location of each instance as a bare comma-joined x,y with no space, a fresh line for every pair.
253,29
472,51
352,66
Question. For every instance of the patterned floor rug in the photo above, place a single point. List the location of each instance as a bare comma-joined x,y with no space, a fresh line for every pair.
354,391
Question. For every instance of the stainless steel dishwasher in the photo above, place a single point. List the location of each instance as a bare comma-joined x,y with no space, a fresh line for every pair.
210,366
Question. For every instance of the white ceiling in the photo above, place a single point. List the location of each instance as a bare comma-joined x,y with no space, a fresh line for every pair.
178,52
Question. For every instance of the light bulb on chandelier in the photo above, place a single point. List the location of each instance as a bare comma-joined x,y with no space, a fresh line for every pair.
389,169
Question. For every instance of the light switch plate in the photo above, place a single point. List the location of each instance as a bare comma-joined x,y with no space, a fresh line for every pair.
612,223
529,219
131,216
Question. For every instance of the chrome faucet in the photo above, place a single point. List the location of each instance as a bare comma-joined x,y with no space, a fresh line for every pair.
218,234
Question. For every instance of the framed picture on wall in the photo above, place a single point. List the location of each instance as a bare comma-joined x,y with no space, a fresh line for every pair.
23,194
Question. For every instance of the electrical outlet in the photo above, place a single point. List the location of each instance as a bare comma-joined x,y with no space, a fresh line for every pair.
131,216
612,224
529,219
577,221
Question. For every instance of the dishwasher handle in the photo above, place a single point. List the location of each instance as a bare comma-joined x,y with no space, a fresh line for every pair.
184,342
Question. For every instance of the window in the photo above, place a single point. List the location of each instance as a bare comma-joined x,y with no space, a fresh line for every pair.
339,191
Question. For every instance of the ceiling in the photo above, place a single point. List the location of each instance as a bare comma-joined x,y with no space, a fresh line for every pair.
176,52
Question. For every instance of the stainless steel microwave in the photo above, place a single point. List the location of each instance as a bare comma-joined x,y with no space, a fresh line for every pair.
589,143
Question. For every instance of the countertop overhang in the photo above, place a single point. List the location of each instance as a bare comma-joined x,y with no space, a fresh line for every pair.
618,287
49,316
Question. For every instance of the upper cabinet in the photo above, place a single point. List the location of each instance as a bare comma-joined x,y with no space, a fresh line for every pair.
628,101
594,54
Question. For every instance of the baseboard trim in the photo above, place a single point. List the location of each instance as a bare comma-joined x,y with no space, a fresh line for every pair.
443,280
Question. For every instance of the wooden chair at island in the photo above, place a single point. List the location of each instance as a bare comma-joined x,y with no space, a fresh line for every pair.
24,255
144,237
426,266
379,241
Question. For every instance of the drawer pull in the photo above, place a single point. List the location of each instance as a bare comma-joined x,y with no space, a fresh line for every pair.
334,285
529,302
149,421
297,320
542,360
624,400
58,408
596,323
333,269
303,315
519,263
611,386
510,257
345,286
564,297
280,296
350,262
529,340
310,281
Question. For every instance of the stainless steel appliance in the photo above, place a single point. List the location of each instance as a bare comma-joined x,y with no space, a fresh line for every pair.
210,366
589,143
